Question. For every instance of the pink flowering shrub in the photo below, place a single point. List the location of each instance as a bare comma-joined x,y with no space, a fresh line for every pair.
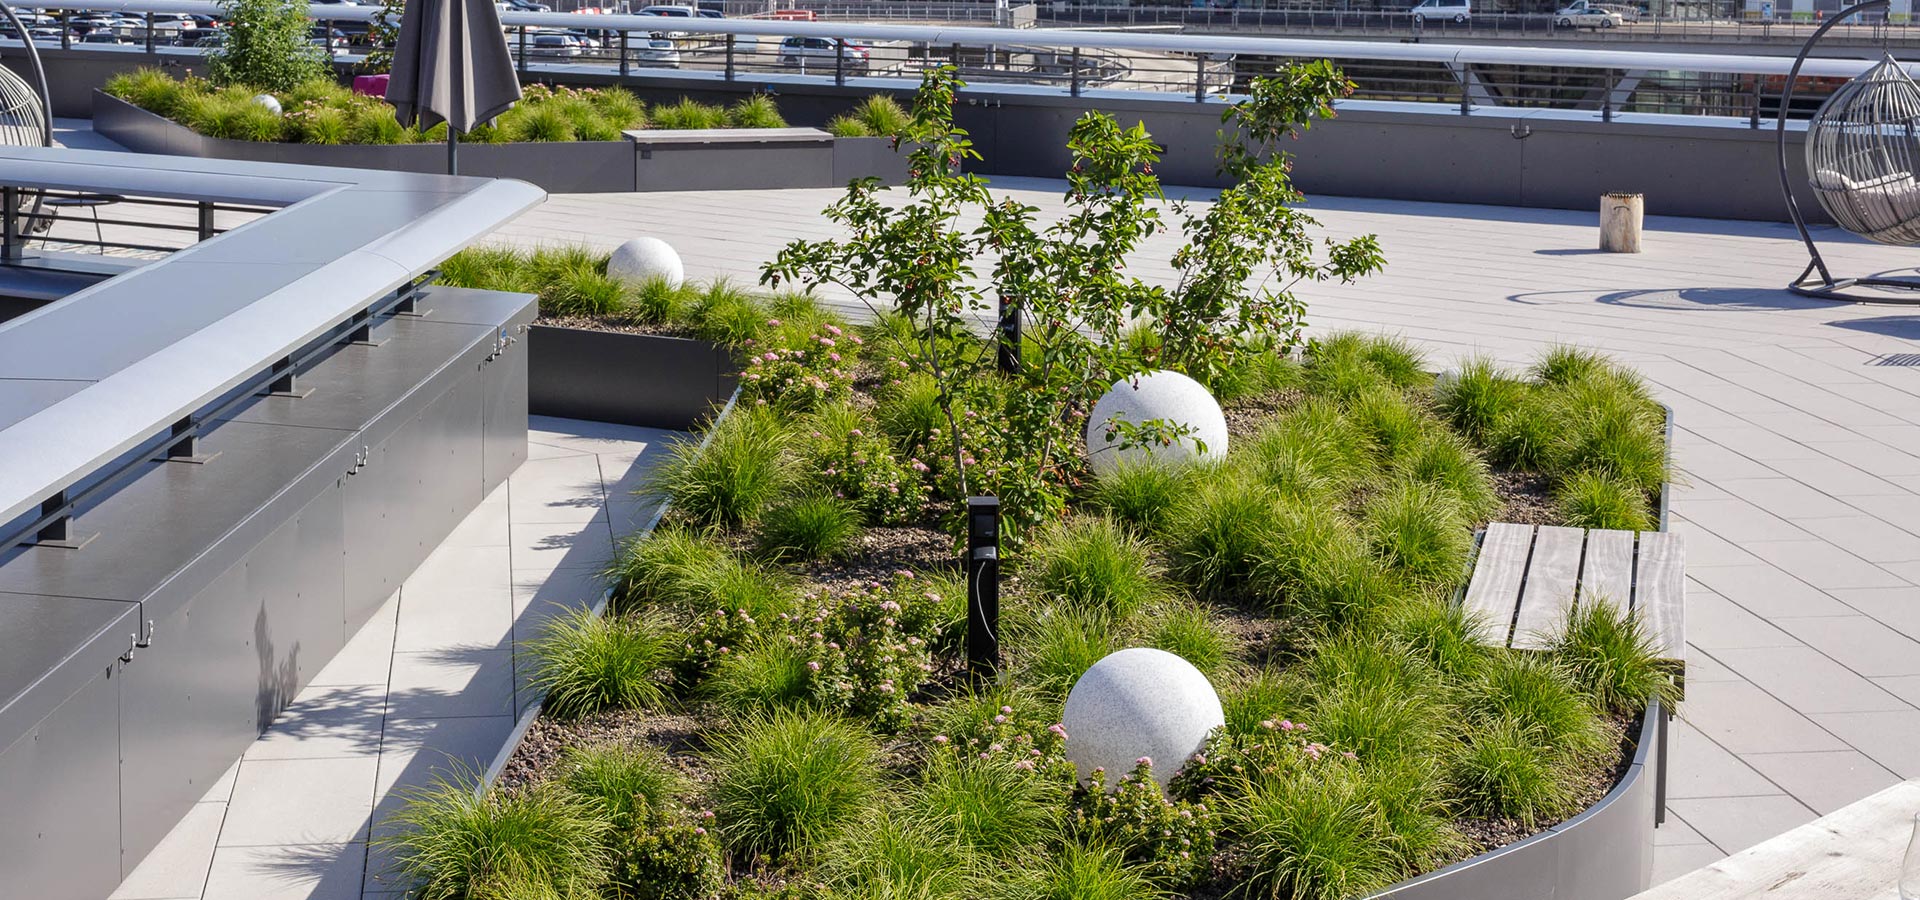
670,854
1171,839
863,468
1231,762
869,649
815,368
714,635
1019,739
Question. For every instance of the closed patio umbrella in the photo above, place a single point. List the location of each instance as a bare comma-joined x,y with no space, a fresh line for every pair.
451,64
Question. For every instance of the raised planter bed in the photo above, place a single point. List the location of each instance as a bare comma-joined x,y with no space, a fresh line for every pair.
651,380
718,159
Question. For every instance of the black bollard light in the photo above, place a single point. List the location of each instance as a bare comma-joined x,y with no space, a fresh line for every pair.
983,587
1009,343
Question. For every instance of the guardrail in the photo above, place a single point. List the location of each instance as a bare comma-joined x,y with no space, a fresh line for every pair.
1193,66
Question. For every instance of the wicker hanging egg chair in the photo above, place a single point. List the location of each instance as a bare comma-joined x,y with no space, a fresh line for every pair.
1863,165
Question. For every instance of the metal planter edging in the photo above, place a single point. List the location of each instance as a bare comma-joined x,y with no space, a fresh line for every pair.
651,380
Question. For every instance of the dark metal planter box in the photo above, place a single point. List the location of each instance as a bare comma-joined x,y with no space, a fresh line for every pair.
650,380
560,167
726,159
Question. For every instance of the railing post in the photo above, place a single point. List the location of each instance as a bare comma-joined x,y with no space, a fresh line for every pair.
522,64
10,240
623,53
1073,75
66,29
1606,98
149,35
730,57
840,62
1466,91
1200,78
206,220
1753,114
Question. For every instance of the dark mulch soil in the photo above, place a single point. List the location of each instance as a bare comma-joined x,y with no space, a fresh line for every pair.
620,324
1525,498
548,738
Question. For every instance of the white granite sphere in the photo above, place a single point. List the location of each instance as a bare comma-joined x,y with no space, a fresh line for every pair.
1167,396
645,258
1138,703
268,101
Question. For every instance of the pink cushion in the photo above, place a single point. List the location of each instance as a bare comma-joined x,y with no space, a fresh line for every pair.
371,85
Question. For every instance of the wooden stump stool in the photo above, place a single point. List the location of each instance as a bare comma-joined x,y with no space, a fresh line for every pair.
1620,217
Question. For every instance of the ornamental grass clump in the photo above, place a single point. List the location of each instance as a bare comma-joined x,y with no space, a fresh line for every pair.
1392,425
585,663
760,676
1591,499
890,855
726,314
746,463
1441,634
663,564
808,528
1316,834
1061,644
1260,698
1313,451
1538,694
1142,495
1476,396
756,111
1607,653
572,280
1503,771
1420,531
453,843
1095,564
1446,461
1079,871
987,807
689,114
1189,631
624,778
787,781
1220,534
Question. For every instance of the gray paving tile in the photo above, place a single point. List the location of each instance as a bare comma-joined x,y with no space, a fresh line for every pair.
1716,623
1831,476
1824,565
1744,719
1764,590
451,683
1697,767
1675,832
367,657
1898,608
1825,782
1866,537
1738,521
1785,497
1808,681
562,545
178,866
299,872
1673,861
300,801
1703,668
1891,739
1735,823
326,721
418,752
1862,644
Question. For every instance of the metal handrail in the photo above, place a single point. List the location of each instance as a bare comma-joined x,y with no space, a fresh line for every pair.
1065,39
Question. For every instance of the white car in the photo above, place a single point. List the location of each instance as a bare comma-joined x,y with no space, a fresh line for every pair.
1581,14
657,52
820,53
669,12
1458,11
565,45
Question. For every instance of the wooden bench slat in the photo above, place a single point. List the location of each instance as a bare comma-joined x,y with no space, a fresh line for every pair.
1607,573
1497,575
1549,593
1660,596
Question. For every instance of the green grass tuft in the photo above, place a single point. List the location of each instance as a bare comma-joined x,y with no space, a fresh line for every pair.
587,663
809,528
1561,366
1419,530
1080,872
1539,695
1504,771
1447,462
1220,533
770,674
746,464
1060,645
1141,495
1267,695
452,843
688,114
756,111
1188,631
1608,655
1477,396
1596,500
889,856
624,778
785,782
985,807
1317,835
1094,564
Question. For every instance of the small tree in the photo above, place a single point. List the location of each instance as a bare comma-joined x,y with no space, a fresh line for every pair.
266,46
1011,434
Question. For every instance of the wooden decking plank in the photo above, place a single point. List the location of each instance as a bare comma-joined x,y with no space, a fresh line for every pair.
1497,575
1607,573
1551,579
1660,594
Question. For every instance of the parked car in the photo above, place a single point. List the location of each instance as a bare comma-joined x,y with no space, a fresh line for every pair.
527,6
671,11
216,39
1582,14
1441,11
821,52
562,45
711,14
657,52
104,36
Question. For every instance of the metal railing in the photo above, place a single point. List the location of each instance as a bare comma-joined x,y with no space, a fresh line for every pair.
1468,77
79,222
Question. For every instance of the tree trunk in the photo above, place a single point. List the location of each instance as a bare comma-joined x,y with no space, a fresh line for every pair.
1620,217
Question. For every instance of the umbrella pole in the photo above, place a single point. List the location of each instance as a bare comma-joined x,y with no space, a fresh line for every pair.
453,152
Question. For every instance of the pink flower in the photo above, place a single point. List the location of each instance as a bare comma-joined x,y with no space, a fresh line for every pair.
939,738
1007,710
813,666
1058,730
1144,761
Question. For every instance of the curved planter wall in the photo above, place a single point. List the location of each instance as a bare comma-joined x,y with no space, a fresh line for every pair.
728,159
1604,853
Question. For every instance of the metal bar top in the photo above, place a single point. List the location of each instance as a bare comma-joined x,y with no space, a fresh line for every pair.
135,353
1100,40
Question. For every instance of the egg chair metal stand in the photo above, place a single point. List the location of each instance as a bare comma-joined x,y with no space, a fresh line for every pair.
1863,165
26,120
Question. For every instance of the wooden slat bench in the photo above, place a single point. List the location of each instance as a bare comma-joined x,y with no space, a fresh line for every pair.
1527,579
